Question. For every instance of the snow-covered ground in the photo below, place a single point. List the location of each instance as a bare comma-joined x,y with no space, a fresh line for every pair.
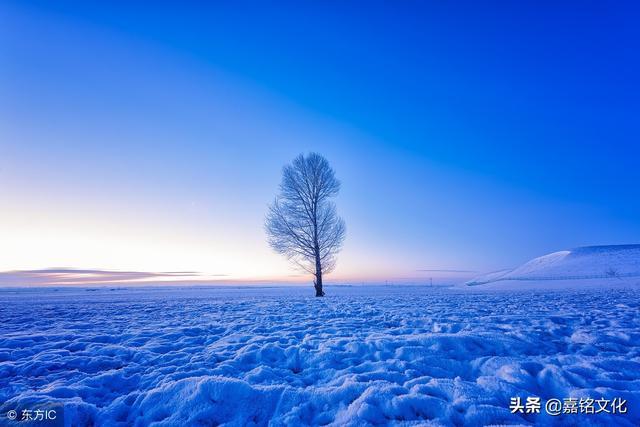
382,355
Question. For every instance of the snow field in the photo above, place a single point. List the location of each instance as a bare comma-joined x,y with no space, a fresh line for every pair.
360,356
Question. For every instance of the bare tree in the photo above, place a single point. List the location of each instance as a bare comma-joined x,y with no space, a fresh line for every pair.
302,222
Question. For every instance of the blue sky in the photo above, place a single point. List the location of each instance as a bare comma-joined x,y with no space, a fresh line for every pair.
467,136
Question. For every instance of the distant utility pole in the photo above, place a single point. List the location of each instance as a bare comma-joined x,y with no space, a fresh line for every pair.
431,282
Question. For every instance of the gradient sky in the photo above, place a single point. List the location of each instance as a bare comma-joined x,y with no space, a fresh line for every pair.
150,138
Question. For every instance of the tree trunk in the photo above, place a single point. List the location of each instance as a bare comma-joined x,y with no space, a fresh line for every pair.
318,282
318,285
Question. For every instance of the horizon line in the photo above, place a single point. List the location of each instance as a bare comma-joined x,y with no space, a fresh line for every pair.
66,276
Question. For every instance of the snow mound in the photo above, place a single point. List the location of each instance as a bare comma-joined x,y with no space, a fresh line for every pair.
609,263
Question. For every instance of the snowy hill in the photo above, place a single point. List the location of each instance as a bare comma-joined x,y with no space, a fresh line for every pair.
589,263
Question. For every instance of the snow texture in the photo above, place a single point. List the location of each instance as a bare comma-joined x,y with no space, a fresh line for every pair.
360,356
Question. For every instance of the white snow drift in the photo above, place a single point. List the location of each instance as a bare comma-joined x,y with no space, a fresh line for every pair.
591,264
